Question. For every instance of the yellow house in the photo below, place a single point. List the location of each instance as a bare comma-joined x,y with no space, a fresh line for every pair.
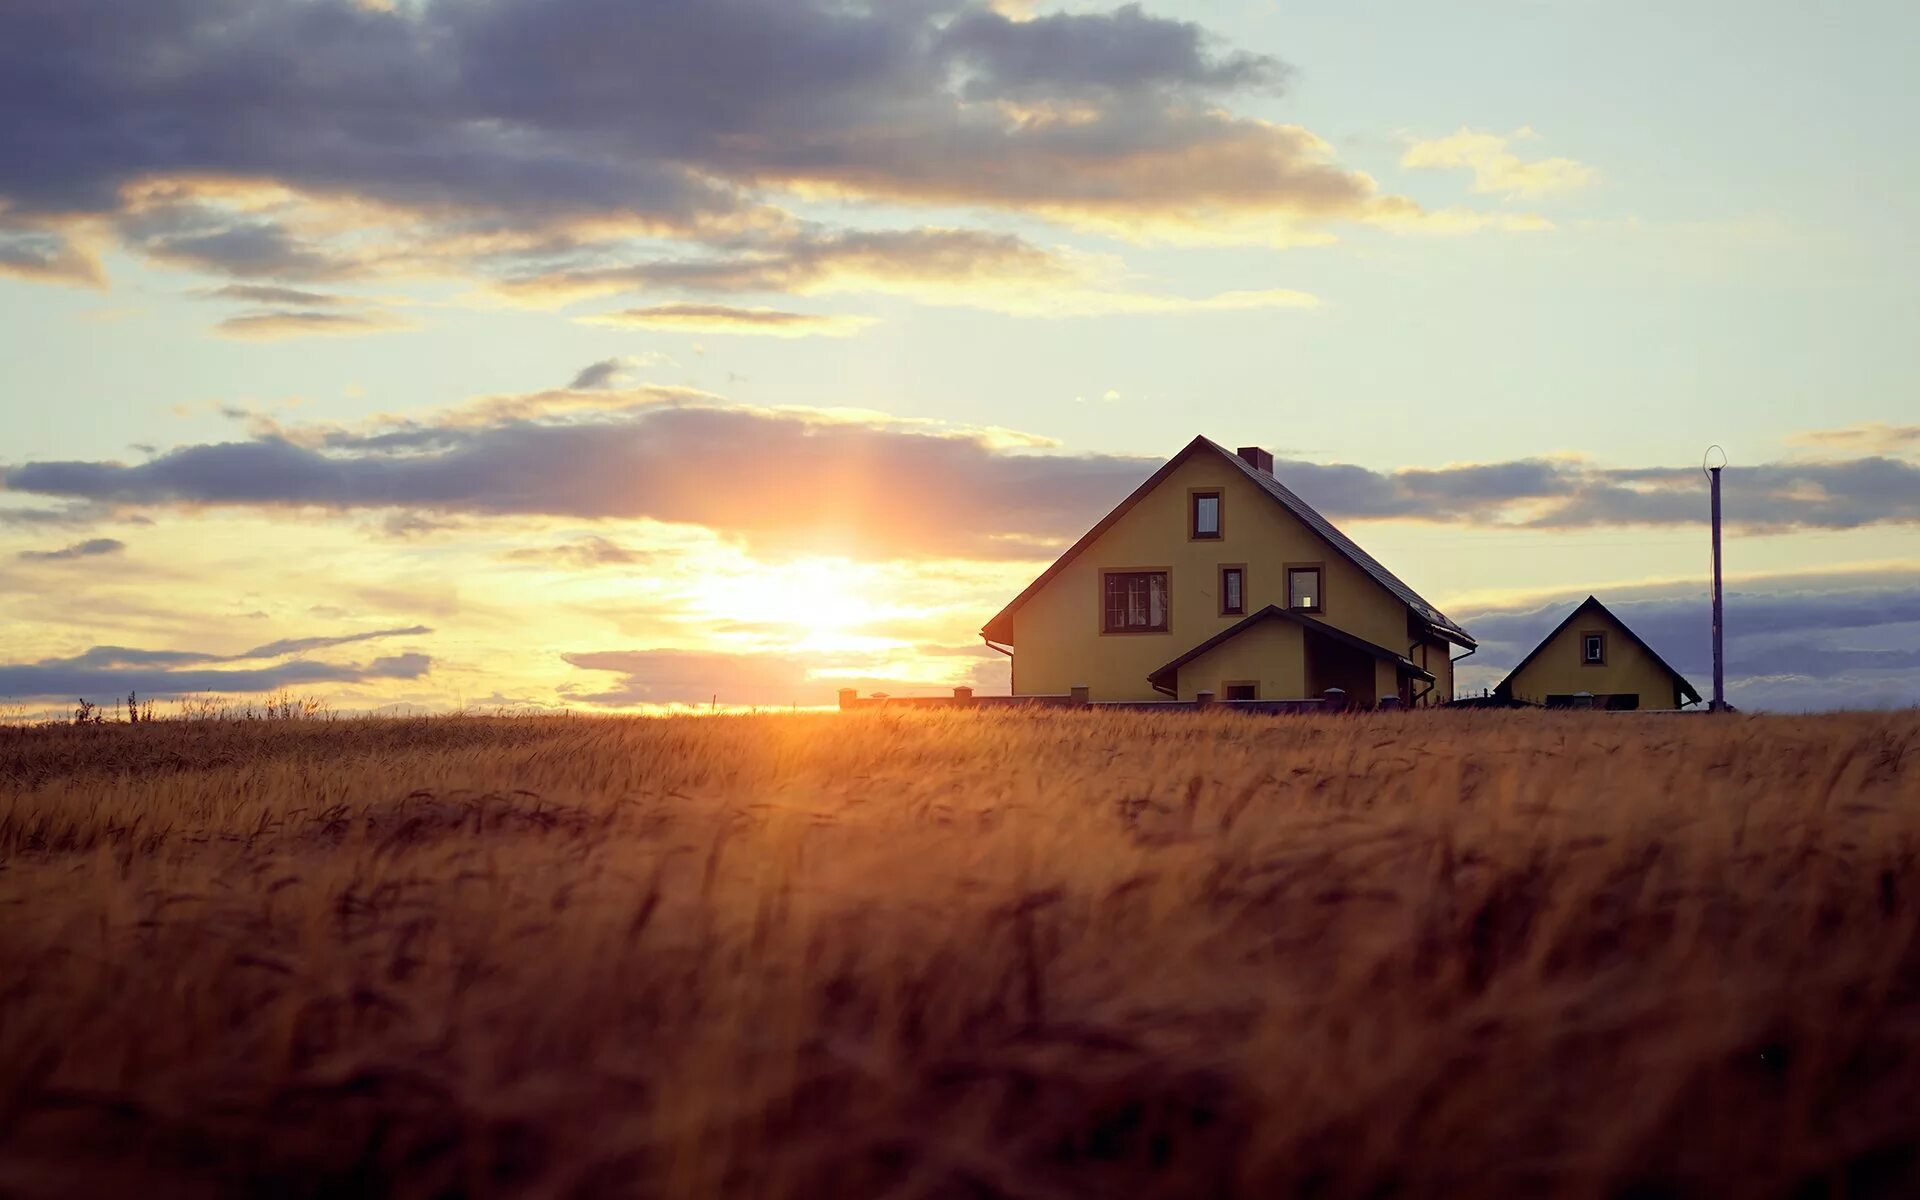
1592,659
1214,577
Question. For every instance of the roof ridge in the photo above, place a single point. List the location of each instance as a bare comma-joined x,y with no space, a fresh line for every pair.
1303,512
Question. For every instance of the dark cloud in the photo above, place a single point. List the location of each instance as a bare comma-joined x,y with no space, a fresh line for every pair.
1841,494
813,261
116,670
247,249
794,481
598,375
104,657
50,681
91,548
1079,54
470,130
781,480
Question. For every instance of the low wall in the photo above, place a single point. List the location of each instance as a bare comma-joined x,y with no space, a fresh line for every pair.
1080,697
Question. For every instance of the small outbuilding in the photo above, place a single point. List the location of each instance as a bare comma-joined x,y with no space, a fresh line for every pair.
1592,660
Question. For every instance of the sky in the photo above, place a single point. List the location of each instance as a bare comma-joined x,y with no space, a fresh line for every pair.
614,355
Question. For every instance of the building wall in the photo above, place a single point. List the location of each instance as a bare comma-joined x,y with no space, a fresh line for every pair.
1056,636
1386,681
1272,654
1435,656
1557,669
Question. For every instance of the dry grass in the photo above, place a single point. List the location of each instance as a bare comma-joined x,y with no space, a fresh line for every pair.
963,954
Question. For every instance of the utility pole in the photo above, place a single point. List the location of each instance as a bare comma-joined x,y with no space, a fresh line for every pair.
1719,651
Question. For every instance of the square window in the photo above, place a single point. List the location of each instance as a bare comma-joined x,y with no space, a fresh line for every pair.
1133,602
1206,515
1233,591
1303,589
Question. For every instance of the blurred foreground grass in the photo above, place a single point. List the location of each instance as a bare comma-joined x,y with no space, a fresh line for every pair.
962,953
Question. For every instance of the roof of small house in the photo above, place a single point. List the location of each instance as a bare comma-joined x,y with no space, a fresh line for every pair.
1592,605
1165,677
1282,495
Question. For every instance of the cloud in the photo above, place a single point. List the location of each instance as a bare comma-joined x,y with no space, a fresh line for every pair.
487,138
1803,641
1083,54
779,479
860,484
582,554
1875,437
116,670
270,326
48,258
1497,169
613,372
204,237
1563,494
263,293
810,262
36,681
104,657
998,272
723,319
598,375
91,548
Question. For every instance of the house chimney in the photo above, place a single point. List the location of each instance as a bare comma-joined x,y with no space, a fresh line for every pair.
1256,458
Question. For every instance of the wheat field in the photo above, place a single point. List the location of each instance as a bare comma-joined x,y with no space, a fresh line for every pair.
962,953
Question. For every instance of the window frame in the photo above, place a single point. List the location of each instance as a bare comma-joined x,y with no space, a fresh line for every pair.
1100,603
1227,686
1601,636
1241,609
1319,570
1194,496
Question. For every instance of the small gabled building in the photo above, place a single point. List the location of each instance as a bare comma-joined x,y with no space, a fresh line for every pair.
1592,659
1213,576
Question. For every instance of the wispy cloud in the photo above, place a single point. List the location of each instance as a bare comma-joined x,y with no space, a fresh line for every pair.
116,670
727,319
91,548
264,293
582,554
1874,437
47,257
269,326
1498,169
34,681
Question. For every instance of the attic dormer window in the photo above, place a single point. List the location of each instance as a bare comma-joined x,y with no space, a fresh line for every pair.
1593,649
1206,515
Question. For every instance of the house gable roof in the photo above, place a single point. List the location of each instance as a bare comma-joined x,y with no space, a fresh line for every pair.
1302,511
1164,677
1592,605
